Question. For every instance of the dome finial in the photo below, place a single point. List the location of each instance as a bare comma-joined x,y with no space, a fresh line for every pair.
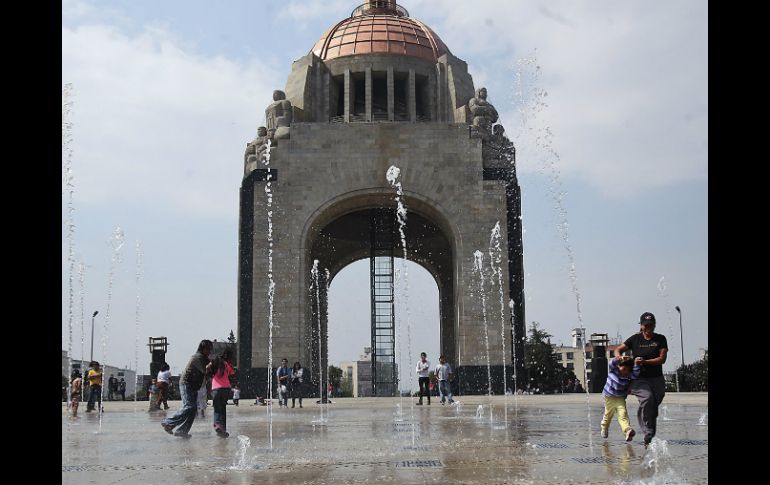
373,7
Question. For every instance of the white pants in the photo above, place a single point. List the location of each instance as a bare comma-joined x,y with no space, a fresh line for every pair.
202,398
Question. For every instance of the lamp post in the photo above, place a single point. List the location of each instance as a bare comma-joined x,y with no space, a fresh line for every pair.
92,334
681,341
679,310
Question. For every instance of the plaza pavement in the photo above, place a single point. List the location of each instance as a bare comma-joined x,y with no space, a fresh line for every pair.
543,439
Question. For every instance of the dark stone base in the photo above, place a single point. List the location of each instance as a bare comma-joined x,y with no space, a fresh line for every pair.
467,380
472,380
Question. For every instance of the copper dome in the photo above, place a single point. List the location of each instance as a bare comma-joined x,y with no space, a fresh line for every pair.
380,28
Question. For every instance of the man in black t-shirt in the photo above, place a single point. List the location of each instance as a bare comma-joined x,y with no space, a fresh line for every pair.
649,350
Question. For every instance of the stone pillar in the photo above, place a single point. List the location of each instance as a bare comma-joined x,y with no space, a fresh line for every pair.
326,111
368,100
411,98
439,87
431,98
348,95
391,95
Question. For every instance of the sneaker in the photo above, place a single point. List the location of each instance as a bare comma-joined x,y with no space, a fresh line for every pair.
605,432
418,404
182,435
630,434
647,439
451,401
167,428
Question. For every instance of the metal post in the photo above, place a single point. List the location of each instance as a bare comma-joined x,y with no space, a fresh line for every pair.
92,334
681,337
681,341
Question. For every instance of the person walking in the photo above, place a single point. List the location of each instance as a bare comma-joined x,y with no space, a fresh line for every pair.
191,380
284,377
222,371
112,386
650,387
296,383
236,395
443,373
76,387
423,371
95,387
122,388
164,383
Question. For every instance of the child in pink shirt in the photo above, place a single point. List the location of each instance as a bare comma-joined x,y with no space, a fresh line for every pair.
222,370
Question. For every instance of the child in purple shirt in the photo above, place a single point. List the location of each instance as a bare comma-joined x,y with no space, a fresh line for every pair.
621,371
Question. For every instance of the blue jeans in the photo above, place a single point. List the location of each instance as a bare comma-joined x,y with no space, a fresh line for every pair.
445,390
94,396
221,395
186,415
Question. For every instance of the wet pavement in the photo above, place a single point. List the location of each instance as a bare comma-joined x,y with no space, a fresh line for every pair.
543,439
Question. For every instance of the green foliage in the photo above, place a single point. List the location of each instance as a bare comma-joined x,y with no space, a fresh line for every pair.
694,377
335,376
546,374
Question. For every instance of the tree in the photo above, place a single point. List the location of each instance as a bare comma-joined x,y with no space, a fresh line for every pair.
231,338
546,375
694,377
335,376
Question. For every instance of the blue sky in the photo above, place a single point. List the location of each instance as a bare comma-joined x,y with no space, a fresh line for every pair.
166,95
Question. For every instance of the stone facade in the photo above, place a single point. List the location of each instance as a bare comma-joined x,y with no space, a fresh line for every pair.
396,111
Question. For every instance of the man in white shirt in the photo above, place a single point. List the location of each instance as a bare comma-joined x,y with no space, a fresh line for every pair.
443,373
423,368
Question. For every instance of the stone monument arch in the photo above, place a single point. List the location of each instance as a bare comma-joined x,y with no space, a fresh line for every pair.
379,89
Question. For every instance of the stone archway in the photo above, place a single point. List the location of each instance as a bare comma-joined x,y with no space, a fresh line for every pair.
344,232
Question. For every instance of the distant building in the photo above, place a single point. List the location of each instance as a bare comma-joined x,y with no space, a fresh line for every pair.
359,373
572,357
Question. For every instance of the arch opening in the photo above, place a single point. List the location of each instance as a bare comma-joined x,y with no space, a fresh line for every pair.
371,234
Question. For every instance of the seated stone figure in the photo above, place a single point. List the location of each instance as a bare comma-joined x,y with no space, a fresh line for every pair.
279,115
484,114
254,150
498,146
253,147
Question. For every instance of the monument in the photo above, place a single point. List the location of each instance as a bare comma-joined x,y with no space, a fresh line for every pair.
379,88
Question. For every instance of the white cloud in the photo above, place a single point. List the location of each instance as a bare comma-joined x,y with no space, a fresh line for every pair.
157,124
627,82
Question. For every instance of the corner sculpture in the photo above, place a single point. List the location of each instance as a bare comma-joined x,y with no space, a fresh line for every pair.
255,150
279,115
484,114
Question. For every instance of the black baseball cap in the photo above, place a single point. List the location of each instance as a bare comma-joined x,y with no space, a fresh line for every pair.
646,318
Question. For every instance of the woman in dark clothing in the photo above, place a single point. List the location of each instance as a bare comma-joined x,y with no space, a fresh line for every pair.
649,350
296,383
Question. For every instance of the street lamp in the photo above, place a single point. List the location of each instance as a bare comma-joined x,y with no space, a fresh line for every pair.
679,310
681,341
92,334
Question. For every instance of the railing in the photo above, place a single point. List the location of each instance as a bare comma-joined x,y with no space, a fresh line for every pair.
380,6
